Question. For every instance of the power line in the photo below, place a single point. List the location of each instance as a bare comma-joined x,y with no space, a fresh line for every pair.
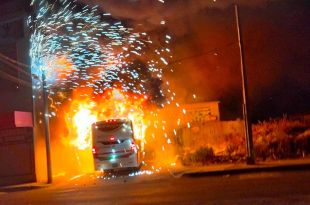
14,64
13,61
15,67
14,79
201,54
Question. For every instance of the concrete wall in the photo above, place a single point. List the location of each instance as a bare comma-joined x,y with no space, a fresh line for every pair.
215,134
16,156
201,112
16,144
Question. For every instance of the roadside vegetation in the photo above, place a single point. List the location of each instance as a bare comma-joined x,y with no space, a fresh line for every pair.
274,139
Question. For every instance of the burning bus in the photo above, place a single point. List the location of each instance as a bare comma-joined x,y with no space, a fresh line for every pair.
115,146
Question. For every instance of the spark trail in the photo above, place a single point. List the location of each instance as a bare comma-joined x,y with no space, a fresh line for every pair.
79,46
83,48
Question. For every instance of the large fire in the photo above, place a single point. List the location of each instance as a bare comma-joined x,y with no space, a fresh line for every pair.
71,130
85,109
72,134
97,69
82,121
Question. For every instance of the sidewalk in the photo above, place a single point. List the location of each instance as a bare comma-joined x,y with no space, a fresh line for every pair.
240,168
22,187
57,181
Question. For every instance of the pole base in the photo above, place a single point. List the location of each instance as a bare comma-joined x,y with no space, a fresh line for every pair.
250,160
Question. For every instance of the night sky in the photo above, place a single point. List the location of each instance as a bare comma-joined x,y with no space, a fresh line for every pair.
277,48
205,51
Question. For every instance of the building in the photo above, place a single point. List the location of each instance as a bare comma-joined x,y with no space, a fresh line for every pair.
16,138
15,80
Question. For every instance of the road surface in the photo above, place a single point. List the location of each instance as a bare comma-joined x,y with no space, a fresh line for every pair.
258,188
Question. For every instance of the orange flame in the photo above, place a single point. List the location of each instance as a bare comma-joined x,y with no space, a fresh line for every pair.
82,123
87,109
71,130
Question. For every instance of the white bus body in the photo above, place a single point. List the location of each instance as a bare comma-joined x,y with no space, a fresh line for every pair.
114,145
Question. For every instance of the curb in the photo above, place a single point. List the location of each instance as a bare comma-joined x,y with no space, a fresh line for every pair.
294,167
21,187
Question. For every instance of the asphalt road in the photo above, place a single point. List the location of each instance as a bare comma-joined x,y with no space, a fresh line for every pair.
259,188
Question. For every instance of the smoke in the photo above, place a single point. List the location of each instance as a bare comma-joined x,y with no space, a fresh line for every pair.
151,14
205,50
153,11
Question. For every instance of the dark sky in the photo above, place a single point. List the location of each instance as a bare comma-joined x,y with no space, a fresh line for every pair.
277,48
206,61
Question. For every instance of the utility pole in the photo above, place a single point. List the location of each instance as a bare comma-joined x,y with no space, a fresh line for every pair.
47,130
247,120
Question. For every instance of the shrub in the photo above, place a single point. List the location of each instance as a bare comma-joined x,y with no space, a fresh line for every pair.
235,145
302,143
281,138
273,139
